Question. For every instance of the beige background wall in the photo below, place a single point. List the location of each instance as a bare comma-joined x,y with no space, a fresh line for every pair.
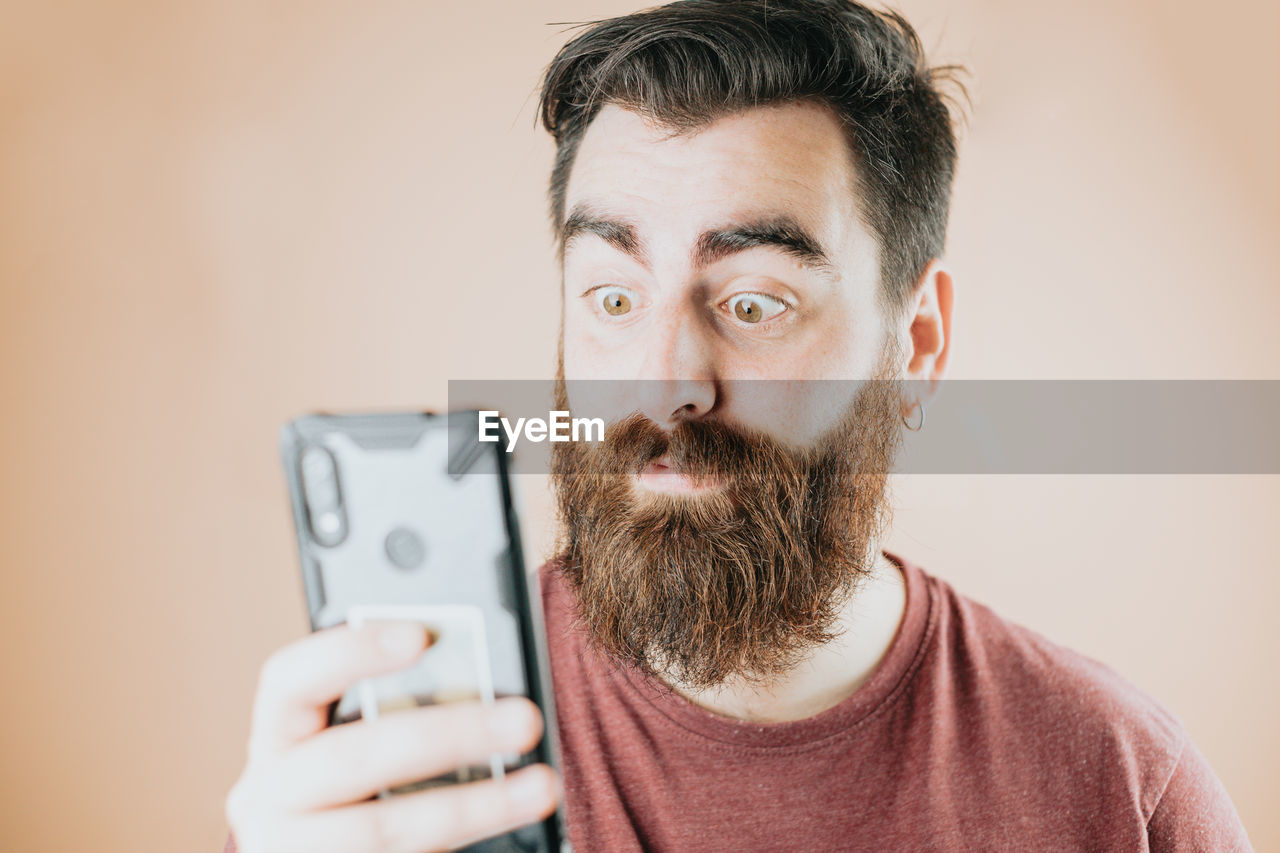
217,215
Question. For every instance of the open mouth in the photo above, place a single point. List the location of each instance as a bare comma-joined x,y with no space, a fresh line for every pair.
660,476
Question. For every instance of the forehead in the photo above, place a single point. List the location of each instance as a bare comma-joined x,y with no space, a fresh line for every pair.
790,158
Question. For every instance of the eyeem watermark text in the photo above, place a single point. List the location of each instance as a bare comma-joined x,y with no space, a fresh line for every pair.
557,426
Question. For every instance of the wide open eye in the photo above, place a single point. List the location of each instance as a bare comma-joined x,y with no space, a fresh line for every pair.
615,300
755,307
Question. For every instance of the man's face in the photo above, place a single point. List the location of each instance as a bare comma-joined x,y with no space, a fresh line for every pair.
730,509
732,253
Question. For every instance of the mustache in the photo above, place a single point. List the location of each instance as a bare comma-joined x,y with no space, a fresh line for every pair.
700,449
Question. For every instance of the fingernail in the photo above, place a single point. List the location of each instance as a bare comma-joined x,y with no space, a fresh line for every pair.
401,640
528,790
510,719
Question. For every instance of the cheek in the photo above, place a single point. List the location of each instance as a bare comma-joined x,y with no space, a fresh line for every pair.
599,397
574,357
596,350
852,344
603,373
796,413
595,377
584,358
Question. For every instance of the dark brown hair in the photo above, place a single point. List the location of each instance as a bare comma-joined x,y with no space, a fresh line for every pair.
690,62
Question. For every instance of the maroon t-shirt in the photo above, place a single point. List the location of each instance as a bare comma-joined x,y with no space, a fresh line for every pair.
972,734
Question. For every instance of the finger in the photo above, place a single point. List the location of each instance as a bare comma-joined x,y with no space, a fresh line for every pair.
348,763
301,680
438,819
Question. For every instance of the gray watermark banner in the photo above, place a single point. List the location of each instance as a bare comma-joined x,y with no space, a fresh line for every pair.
968,426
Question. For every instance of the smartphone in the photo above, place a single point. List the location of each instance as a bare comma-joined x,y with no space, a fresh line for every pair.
408,515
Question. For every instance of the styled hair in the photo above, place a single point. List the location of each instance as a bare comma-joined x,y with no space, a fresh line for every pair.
687,63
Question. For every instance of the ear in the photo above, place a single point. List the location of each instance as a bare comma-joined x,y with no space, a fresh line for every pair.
928,330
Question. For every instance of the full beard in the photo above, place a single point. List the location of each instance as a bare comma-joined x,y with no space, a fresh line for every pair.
737,582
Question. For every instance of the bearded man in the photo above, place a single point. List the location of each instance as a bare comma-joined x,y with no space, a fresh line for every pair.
751,201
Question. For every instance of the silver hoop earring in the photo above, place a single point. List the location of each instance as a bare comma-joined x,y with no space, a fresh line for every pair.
918,426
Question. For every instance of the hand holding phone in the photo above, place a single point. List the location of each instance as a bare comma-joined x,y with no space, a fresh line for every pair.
307,786
399,517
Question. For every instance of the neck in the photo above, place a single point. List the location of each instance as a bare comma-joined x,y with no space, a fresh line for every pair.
866,626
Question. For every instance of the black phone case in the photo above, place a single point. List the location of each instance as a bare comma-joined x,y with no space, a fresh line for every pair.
411,509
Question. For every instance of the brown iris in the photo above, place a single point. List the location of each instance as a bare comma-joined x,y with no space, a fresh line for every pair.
748,310
617,303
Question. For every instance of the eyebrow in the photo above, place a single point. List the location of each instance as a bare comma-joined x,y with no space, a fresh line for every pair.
782,232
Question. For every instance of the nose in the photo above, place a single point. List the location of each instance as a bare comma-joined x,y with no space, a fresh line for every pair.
678,380
667,402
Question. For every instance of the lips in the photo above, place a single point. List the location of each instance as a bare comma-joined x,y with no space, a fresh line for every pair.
661,475
662,466
663,462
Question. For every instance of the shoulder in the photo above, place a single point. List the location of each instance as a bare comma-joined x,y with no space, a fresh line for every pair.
1054,703
559,608
1076,730
553,586
1030,667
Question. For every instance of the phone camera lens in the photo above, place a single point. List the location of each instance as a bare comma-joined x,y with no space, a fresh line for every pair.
405,548
322,496
329,524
